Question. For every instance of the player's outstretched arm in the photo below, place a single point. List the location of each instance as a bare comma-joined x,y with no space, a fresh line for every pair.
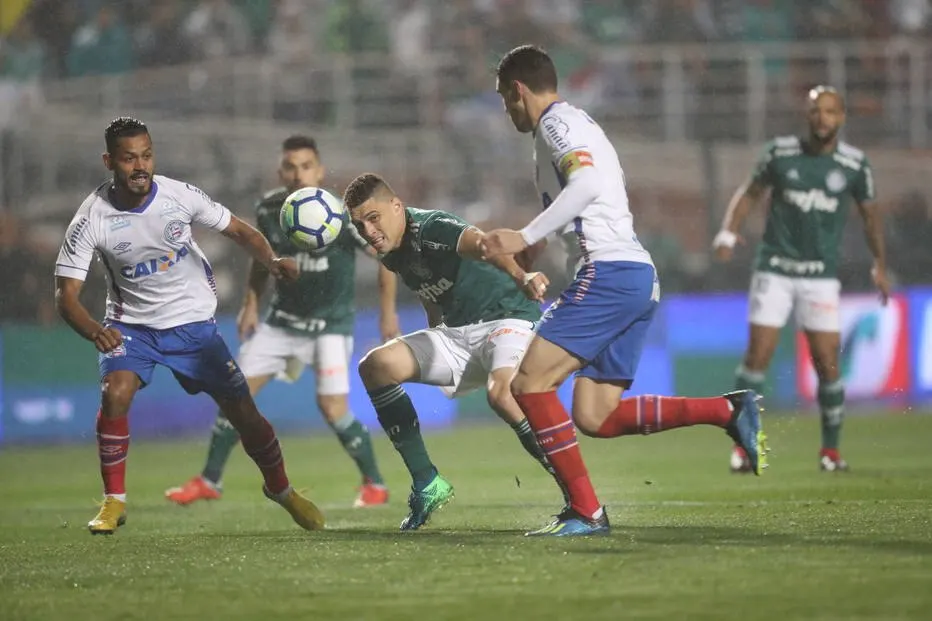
248,319
69,307
388,314
873,232
249,238
472,246
745,197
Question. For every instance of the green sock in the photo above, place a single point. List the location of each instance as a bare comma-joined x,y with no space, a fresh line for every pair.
832,409
357,442
399,420
223,440
745,379
529,441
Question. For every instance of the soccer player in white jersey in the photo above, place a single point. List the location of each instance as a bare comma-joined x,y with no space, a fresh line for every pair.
160,311
597,327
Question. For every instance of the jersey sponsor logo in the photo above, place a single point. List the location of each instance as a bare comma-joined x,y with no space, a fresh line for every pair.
74,234
154,266
432,291
309,263
556,130
174,231
807,200
122,248
573,161
836,181
118,222
792,266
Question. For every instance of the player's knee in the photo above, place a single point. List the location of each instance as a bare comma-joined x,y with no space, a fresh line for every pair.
116,397
375,368
499,397
332,407
521,384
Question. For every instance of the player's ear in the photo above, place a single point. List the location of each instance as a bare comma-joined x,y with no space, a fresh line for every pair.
108,161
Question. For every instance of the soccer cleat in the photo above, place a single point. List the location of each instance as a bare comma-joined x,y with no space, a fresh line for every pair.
745,428
424,502
830,461
196,489
739,460
111,516
370,495
304,512
569,523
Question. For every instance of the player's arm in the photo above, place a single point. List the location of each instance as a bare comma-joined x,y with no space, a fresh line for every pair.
250,239
71,267
470,246
434,313
744,198
388,313
863,192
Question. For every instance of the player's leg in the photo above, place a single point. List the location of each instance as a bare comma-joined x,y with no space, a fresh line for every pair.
421,357
503,347
331,361
200,360
818,315
261,357
123,372
770,302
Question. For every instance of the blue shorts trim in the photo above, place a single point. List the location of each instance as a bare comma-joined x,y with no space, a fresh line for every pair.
195,353
603,317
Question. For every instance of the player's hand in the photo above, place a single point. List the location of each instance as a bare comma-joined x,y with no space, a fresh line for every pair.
535,285
247,321
284,268
880,280
501,241
389,327
723,246
107,339
526,258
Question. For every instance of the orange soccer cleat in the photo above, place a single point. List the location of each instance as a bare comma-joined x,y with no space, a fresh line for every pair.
196,489
370,495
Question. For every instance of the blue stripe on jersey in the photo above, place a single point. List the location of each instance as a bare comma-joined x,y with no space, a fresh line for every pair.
210,276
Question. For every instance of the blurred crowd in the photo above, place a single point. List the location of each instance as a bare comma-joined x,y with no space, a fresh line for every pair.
58,39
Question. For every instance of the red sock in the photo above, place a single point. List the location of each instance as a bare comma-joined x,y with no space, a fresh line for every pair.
262,446
650,414
557,436
112,447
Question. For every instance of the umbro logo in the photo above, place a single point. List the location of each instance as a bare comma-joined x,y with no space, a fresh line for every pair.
122,248
793,174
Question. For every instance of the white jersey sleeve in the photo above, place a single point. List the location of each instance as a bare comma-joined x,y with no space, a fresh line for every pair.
77,249
202,209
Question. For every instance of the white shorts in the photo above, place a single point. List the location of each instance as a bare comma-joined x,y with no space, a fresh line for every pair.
773,297
275,351
461,359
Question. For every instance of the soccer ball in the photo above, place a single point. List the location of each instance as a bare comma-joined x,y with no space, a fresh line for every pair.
312,218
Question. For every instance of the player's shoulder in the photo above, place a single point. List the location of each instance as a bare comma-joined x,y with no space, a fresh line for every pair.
848,155
95,204
784,146
272,200
178,188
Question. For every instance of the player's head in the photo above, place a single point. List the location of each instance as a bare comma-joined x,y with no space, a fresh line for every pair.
300,165
376,211
826,112
129,155
525,75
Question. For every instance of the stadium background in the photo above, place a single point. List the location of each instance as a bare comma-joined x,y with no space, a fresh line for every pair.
688,90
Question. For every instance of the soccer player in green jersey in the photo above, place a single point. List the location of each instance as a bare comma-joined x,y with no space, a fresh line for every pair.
812,181
309,322
481,317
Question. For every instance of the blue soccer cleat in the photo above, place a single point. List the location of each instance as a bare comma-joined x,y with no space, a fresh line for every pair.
569,523
423,503
745,428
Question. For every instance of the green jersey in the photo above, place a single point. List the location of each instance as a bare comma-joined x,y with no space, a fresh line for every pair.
466,291
810,199
320,301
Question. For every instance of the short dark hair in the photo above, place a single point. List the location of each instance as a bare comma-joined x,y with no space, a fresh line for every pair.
530,65
300,141
364,187
123,127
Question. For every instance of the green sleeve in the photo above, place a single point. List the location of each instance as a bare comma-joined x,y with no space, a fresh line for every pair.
863,188
763,170
442,232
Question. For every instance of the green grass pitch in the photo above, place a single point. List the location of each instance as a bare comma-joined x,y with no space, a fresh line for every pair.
690,540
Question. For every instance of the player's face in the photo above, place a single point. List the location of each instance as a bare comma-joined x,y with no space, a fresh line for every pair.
132,163
826,116
515,105
381,222
300,169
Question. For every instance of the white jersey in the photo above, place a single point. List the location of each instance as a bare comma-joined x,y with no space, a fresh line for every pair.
158,275
567,140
